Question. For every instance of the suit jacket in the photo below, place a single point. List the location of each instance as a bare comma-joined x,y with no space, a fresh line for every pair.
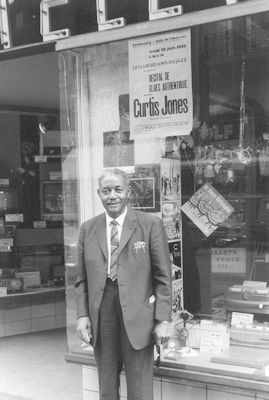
144,269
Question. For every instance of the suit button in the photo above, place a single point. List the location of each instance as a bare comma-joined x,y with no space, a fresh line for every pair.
102,289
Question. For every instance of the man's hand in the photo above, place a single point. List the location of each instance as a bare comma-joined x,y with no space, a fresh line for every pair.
84,329
161,333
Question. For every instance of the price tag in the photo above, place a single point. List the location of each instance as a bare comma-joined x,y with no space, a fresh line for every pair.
211,345
39,224
4,182
6,242
14,217
242,319
40,159
5,249
3,291
55,175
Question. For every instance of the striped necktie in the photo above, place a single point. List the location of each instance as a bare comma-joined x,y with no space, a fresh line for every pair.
114,245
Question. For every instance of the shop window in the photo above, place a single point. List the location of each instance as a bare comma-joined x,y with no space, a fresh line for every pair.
24,22
206,178
31,213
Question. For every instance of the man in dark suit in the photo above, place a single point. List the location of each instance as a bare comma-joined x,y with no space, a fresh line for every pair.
123,289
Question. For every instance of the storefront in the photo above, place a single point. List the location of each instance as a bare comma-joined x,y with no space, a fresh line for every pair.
181,104
32,187
177,96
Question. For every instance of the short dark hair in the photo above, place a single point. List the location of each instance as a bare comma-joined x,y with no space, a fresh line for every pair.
114,171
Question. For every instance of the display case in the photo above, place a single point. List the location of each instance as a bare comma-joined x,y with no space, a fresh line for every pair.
29,244
54,195
187,118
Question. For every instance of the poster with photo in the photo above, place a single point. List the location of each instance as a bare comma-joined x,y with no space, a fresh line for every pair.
160,85
145,188
172,220
175,256
124,112
177,147
177,298
207,208
170,180
118,149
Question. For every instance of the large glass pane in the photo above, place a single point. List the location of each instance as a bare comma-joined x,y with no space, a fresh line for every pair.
69,118
230,152
218,246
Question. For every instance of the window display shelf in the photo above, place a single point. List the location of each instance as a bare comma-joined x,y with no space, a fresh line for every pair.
233,362
39,290
33,293
253,381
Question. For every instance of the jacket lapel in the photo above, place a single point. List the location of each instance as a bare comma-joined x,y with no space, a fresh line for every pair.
101,234
127,229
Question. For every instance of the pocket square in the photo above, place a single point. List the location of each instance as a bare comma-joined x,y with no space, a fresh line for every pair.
139,246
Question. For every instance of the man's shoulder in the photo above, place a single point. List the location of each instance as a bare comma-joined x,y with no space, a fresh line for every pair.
144,216
94,220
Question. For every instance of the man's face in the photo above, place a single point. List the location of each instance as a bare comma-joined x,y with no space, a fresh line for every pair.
114,194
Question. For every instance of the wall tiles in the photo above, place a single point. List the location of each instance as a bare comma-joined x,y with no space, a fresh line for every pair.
2,329
17,327
60,307
43,323
91,385
17,314
173,391
184,382
60,321
2,316
90,378
90,395
157,388
42,310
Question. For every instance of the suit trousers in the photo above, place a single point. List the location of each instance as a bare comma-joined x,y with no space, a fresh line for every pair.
113,350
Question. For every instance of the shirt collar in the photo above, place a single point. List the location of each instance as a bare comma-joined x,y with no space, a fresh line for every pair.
119,220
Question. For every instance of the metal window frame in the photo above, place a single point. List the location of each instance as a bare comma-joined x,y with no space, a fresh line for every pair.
184,21
103,22
45,31
157,13
5,31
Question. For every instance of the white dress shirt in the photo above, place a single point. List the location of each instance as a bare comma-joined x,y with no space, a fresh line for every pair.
120,221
